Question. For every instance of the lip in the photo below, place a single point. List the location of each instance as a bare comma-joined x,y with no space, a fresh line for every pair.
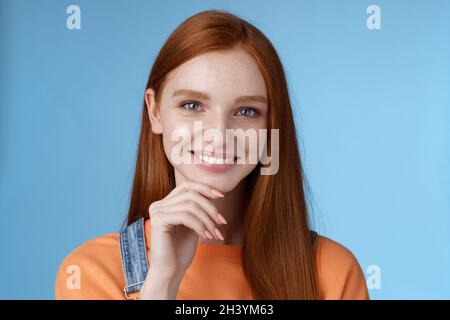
212,167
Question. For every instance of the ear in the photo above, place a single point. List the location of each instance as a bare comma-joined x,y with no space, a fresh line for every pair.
153,111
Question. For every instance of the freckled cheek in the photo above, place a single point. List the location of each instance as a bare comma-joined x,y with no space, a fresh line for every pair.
171,124
177,138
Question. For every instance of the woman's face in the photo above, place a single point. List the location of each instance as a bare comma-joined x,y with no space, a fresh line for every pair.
201,99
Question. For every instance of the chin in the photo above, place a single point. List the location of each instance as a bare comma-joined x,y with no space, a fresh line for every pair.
221,183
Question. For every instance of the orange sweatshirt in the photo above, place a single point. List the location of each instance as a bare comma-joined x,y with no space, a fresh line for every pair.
94,271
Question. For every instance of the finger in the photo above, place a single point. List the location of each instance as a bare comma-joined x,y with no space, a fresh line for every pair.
202,188
194,209
201,201
185,218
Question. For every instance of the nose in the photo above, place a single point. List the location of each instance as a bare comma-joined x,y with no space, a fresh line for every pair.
219,120
215,126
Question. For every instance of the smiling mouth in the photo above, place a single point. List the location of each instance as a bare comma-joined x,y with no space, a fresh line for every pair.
214,160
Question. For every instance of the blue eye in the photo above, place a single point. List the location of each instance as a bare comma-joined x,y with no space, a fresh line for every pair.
248,112
190,106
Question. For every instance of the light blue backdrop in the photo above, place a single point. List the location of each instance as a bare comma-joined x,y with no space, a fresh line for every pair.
373,105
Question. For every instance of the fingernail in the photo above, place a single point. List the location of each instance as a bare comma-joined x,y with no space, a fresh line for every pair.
219,234
221,218
208,234
217,193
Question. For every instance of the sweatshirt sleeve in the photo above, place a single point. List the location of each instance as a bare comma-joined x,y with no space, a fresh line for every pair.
340,275
91,272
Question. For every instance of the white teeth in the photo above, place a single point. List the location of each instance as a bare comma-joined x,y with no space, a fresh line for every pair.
214,160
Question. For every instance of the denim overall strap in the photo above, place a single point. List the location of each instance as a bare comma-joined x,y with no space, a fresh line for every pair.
134,255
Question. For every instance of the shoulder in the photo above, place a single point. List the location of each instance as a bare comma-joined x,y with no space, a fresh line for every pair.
340,275
91,271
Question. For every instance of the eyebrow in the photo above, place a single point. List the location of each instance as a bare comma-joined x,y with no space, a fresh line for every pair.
201,95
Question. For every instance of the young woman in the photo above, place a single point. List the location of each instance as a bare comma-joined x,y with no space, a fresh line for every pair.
215,227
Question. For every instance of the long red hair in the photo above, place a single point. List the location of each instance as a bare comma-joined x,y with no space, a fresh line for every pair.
277,254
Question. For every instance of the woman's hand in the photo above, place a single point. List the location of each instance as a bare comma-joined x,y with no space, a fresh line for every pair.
176,222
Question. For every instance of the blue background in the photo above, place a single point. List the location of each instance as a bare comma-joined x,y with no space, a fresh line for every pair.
373,108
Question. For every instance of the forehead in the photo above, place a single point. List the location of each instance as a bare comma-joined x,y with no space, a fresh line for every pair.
222,74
